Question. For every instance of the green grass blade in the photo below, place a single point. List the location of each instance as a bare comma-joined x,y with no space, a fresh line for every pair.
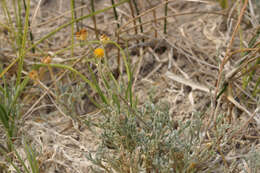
21,161
139,18
32,159
18,92
4,117
115,13
22,47
98,89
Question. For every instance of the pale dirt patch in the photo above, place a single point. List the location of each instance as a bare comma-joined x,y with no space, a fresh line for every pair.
190,49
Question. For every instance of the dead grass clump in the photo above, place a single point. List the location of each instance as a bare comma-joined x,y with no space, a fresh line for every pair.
129,86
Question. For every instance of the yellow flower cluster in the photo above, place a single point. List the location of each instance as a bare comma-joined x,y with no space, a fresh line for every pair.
46,60
104,38
82,34
99,52
33,75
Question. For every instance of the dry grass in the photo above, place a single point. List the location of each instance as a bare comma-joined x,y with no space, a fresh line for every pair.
196,89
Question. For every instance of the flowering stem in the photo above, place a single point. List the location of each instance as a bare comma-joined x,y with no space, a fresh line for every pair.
58,29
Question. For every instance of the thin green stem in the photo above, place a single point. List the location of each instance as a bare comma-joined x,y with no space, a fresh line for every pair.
60,28
10,26
72,70
18,92
71,22
133,16
22,49
115,13
31,35
251,44
19,23
81,13
138,13
7,13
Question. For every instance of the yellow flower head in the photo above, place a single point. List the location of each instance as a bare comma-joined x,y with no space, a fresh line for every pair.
99,52
82,34
104,38
33,75
46,60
